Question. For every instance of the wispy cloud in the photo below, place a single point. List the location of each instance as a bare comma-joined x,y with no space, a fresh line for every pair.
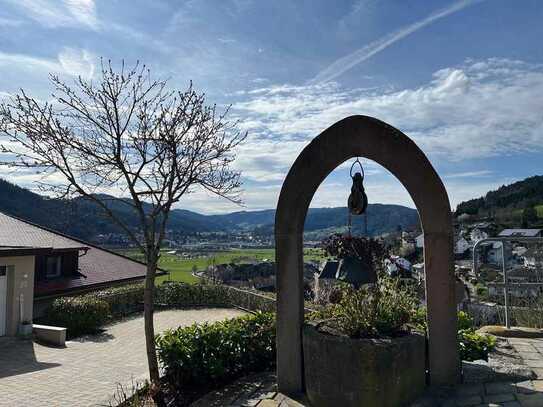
77,62
347,62
71,61
84,11
468,174
69,13
28,62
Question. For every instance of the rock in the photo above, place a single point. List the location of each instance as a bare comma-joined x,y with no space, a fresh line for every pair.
481,371
513,332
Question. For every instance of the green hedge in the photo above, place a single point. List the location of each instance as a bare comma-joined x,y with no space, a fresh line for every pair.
202,353
87,313
184,295
81,315
122,300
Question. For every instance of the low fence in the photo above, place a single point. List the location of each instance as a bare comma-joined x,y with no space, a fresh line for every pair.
512,277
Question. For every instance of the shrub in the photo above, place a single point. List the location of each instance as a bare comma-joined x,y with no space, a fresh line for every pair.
204,353
471,345
372,310
465,321
80,315
123,299
474,346
182,295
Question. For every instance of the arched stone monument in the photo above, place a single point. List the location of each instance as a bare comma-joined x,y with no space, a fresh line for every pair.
371,138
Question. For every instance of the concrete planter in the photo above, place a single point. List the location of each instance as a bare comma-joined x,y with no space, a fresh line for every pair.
341,371
25,329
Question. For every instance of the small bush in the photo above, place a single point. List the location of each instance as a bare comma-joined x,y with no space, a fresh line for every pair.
80,315
471,345
383,309
465,321
474,346
213,352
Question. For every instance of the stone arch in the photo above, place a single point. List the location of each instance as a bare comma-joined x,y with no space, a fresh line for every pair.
373,139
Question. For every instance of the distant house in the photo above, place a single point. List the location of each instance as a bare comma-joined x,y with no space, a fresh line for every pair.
521,233
419,241
38,264
461,246
492,252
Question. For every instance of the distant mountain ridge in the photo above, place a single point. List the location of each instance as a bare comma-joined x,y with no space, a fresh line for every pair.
83,219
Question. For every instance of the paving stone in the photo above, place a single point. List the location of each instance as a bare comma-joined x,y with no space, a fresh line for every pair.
470,390
526,387
500,388
524,348
511,404
530,355
537,385
535,363
268,403
499,398
468,401
530,400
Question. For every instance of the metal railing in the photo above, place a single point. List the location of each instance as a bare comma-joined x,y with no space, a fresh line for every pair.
506,283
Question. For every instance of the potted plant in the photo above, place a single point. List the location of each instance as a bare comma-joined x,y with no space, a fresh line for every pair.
25,328
361,352
359,257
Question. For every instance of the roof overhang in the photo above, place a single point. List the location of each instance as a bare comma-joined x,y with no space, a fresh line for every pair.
8,251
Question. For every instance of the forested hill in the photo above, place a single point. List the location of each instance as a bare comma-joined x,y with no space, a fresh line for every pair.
527,193
82,218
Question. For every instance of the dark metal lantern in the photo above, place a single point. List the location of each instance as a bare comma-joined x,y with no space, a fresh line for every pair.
358,200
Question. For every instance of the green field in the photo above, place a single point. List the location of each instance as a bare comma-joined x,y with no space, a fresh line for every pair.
180,269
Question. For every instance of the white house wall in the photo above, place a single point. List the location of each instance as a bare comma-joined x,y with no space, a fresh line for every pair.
20,287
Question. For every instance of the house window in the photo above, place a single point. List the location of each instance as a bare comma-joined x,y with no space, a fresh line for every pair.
3,270
52,267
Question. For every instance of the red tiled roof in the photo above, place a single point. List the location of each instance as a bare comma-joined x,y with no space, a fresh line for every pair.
98,267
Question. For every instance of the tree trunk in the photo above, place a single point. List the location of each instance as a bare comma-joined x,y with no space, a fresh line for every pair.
148,311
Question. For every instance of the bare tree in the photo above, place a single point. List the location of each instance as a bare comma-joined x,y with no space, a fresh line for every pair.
128,136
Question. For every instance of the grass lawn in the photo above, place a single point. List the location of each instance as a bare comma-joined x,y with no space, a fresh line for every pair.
180,269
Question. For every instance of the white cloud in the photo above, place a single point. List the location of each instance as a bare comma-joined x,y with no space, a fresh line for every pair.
69,13
28,62
77,62
478,110
71,61
468,174
84,11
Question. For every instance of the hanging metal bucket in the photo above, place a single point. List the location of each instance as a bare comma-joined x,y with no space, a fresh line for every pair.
356,272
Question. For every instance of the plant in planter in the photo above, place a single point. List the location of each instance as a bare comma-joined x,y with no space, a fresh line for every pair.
360,351
359,258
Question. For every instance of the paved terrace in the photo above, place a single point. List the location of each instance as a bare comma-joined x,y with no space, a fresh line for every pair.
260,389
87,371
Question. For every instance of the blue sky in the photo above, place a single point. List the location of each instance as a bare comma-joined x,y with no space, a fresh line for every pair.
464,79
